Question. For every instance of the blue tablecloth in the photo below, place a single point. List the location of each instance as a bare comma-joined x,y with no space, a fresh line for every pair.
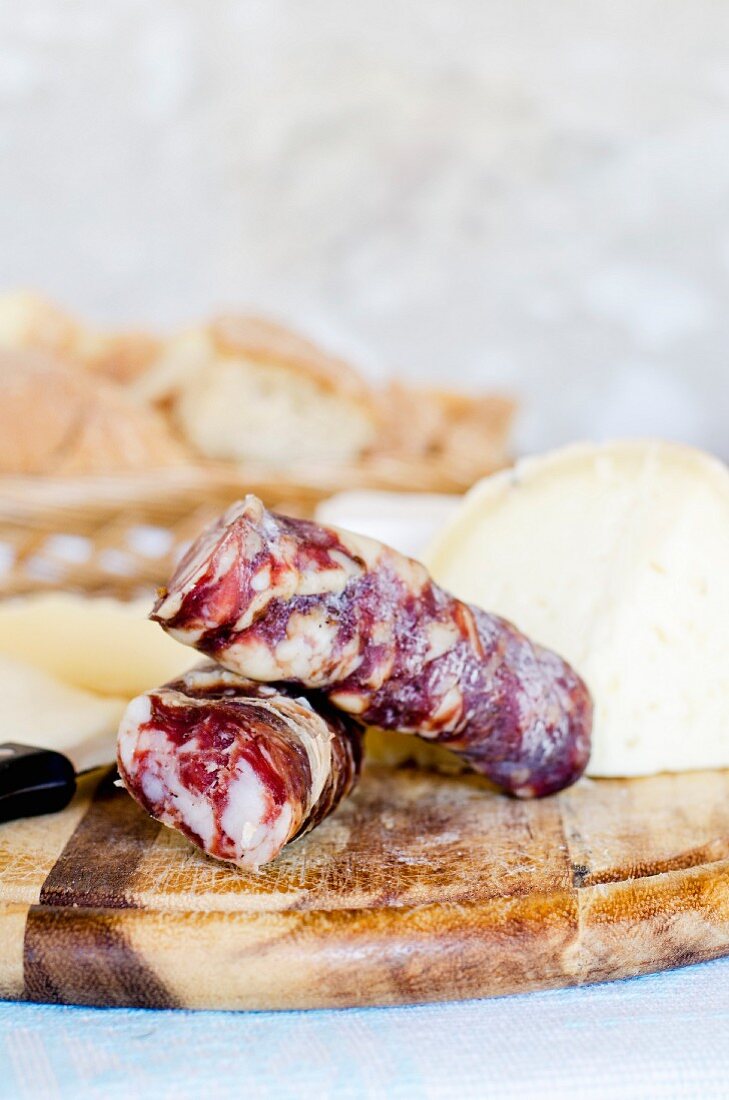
666,1035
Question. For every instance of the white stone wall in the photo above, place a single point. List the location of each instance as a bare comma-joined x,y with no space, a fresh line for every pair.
486,192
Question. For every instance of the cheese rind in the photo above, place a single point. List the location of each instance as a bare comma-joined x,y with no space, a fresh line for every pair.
617,557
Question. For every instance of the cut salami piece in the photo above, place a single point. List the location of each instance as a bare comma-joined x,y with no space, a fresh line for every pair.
281,599
240,768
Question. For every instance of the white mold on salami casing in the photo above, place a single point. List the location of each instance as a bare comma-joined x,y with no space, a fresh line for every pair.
367,627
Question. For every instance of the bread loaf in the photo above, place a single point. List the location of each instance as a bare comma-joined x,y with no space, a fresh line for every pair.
463,433
31,322
248,390
56,420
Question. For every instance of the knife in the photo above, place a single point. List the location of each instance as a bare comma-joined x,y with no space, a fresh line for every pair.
38,771
33,781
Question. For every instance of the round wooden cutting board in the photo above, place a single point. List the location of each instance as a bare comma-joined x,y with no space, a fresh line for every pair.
420,887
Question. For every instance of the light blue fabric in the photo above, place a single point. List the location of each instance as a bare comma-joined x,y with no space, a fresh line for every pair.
663,1036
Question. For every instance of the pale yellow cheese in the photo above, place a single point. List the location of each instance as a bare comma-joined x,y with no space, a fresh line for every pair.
616,556
37,709
100,645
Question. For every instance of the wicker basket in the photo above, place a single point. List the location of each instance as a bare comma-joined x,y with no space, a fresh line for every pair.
123,535
123,551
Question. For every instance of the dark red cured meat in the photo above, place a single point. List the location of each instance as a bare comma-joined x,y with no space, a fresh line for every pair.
282,599
240,768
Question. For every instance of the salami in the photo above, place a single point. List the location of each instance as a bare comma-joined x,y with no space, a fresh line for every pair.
282,599
240,768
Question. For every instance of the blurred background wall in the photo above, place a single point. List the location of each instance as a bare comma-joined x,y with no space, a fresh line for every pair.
490,193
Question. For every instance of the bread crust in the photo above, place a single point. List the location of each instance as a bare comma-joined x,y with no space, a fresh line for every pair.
54,420
268,342
32,322
447,428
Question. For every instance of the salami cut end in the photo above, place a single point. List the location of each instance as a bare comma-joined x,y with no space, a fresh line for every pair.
240,769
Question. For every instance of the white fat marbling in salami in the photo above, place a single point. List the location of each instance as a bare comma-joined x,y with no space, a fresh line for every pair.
240,768
282,599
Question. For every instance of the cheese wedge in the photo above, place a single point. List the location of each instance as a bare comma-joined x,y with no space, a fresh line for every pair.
617,557
37,709
96,644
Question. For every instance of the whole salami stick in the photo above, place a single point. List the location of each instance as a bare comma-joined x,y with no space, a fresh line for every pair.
281,599
240,768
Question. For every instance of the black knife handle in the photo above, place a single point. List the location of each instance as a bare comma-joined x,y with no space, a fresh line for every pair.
33,781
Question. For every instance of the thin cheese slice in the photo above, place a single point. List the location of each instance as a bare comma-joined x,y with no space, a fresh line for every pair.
617,557
37,709
100,645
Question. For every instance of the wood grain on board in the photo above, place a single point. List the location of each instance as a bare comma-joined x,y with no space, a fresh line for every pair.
420,887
